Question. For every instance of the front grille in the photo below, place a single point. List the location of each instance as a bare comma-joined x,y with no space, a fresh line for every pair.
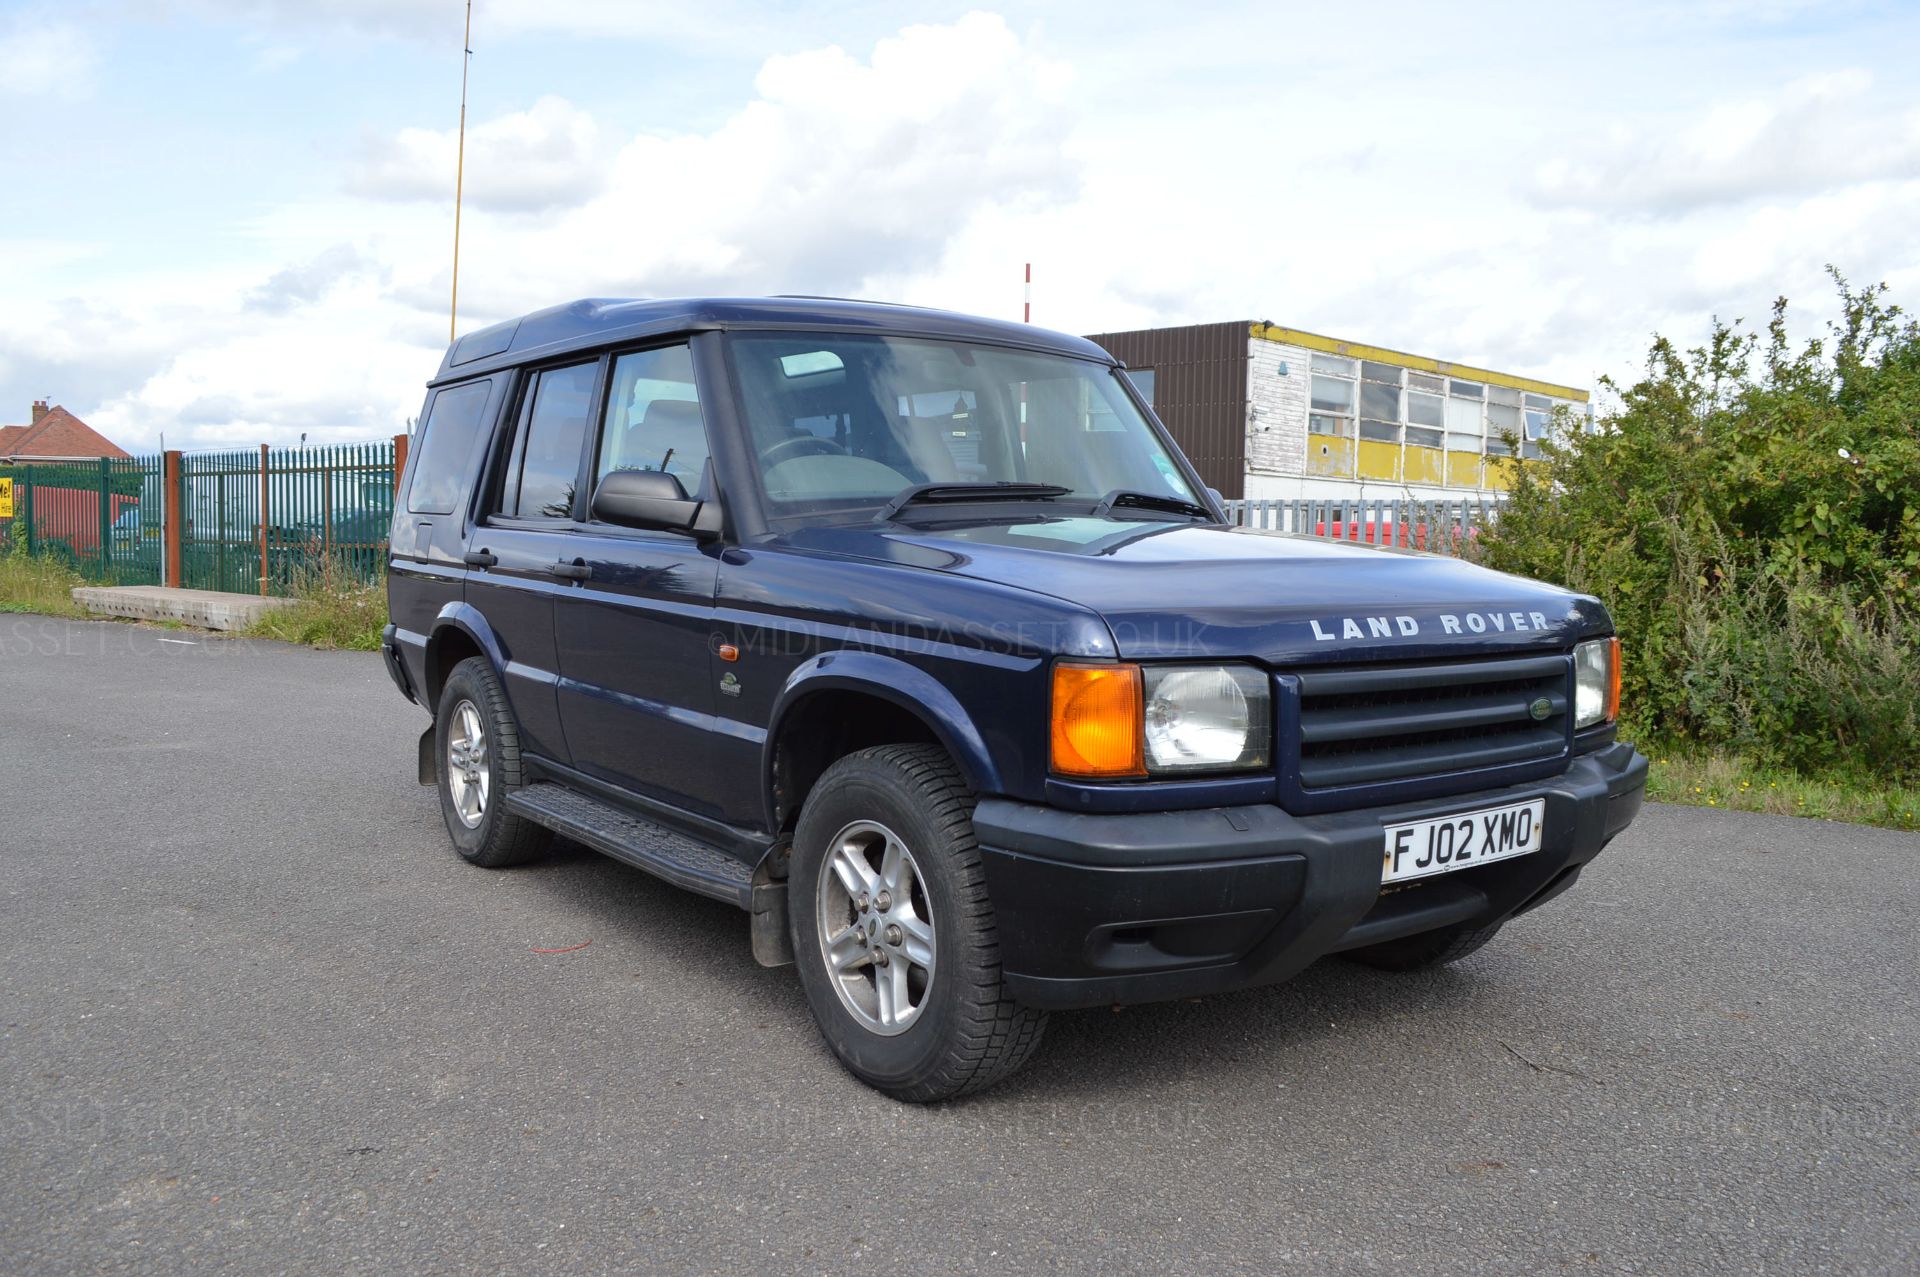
1423,730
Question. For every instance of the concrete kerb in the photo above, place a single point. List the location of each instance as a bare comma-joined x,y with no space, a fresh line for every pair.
208,609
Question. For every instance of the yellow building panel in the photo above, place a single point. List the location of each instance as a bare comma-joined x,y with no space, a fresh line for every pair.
1379,460
1425,465
1463,469
1330,456
1400,359
1500,472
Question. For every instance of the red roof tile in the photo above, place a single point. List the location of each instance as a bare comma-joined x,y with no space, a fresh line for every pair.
57,434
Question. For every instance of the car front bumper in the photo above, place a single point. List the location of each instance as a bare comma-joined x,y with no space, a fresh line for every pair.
1140,907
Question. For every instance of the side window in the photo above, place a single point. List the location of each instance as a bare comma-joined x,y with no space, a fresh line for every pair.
653,417
545,463
451,440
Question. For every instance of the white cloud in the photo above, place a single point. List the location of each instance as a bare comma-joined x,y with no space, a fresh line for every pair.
305,283
1816,133
413,18
333,369
839,171
46,58
547,155
717,25
1177,172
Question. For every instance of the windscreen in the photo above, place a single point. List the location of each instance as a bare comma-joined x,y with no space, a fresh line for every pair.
841,424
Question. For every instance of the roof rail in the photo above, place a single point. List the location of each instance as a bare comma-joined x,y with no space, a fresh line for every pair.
865,301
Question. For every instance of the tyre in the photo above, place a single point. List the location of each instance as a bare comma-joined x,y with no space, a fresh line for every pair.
1428,949
893,933
478,746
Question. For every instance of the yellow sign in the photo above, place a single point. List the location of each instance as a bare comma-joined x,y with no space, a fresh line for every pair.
6,498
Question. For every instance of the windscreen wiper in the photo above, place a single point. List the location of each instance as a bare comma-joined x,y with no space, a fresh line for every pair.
1126,498
966,493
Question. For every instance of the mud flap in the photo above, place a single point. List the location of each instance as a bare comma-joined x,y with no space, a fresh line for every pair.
772,946
429,773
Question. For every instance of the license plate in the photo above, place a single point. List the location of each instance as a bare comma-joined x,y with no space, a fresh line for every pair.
1422,848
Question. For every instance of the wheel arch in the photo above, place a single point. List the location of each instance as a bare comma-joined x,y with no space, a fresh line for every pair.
459,632
840,702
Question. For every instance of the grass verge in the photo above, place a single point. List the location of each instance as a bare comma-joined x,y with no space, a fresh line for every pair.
1731,783
329,610
37,585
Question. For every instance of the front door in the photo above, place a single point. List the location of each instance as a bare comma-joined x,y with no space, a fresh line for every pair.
635,634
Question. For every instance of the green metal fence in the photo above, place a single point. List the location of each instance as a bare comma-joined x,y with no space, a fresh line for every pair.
267,521
102,518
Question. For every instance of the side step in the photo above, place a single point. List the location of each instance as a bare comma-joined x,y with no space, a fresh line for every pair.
678,858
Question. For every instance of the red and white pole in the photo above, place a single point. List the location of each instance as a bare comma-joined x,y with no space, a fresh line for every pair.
1026,313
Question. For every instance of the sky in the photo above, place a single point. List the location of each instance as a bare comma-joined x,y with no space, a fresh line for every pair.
229,222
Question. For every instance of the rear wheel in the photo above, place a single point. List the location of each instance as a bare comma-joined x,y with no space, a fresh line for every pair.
478,746
1428,949
893,933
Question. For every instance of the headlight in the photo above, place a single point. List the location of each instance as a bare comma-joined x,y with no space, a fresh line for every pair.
1117,721
1596,682
1206,718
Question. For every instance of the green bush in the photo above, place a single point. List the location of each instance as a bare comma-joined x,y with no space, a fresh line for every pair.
1751,515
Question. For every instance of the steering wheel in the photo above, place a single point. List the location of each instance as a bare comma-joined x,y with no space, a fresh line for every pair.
800,446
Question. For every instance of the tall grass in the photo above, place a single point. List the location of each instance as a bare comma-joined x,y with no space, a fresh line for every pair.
332,608
35,584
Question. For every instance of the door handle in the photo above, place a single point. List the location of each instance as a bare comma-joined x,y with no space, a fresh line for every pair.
571,571
480,559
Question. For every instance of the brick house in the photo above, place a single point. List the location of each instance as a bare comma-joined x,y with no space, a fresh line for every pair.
54,434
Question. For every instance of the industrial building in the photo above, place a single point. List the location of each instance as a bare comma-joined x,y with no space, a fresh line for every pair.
1267,412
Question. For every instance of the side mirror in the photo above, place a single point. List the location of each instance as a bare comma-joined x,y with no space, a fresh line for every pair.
653,499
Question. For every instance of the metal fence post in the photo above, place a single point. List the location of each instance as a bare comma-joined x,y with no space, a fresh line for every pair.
263,518
400,443
173,492
104,563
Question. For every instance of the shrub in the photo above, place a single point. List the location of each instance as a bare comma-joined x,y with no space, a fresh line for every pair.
1751,516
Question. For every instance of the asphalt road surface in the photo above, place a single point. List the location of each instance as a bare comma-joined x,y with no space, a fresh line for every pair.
256,1017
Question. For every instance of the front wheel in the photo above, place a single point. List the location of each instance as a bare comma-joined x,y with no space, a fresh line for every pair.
893,933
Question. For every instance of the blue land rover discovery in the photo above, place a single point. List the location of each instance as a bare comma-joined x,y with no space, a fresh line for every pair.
914,636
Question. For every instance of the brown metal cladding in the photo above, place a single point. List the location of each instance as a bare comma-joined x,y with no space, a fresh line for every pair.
1199,391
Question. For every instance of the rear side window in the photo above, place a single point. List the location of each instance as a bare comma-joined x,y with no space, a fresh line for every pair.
544,467
452,438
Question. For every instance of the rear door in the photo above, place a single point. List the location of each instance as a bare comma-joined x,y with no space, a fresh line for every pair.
636,634
518,553
426,571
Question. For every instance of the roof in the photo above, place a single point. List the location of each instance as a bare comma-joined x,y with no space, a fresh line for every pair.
1262,331
596,322
1423,363
59,434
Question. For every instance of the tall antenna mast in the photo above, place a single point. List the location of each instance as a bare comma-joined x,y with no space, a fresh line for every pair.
460,173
